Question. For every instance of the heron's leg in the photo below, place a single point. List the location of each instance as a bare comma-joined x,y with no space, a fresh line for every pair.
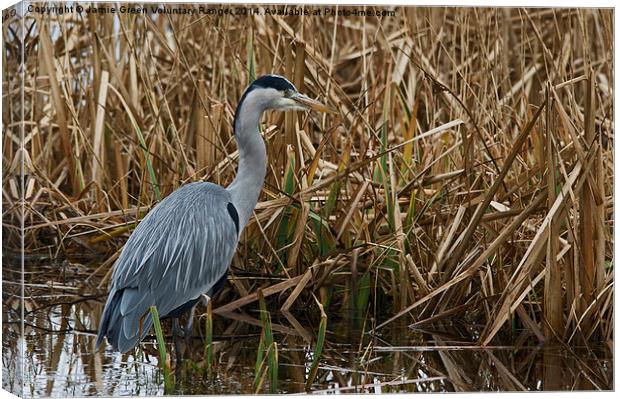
204,299
176,336
189,336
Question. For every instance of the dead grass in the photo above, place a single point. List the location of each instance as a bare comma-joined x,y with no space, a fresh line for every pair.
471,162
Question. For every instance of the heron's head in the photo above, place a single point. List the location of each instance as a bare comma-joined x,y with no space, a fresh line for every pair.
277,92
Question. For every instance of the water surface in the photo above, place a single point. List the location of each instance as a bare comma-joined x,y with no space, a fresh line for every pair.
63,304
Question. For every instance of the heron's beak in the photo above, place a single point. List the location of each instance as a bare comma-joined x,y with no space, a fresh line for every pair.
307,102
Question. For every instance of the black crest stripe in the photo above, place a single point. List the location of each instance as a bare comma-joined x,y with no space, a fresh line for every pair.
274,82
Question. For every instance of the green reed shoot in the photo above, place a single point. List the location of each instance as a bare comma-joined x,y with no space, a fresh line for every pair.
320,340
269,364
259,367
286,228
149,165
250,54
161,345
363,294
271,346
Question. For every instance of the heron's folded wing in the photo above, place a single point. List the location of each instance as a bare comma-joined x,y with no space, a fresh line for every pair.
180,249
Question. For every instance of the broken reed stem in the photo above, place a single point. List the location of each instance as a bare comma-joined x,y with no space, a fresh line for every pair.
98,137
59,106
208,355
586,211
553,324
202,132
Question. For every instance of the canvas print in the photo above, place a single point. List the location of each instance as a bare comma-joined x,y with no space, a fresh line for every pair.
206,199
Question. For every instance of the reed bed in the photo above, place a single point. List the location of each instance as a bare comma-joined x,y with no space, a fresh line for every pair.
468,175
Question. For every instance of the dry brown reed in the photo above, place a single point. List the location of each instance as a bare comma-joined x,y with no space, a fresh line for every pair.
469,173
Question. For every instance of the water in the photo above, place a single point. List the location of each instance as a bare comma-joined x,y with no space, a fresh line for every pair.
63,306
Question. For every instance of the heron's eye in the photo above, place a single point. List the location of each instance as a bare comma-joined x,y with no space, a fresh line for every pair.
288,93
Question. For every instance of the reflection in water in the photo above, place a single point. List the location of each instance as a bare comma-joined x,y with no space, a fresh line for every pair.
61,317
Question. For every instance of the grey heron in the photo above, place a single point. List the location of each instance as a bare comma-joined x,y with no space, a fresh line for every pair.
183,247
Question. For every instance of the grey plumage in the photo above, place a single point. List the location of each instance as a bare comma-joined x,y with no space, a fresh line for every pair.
178,252
183,247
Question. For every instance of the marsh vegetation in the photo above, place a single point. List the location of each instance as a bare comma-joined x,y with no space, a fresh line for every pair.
450,229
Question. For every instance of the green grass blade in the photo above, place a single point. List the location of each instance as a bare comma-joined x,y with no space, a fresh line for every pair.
410,211
325,239
363,293
332,198
143,146
161,345
320,340
79,173
273,368
289,179
287,223
251,65
149,165
269,344
260,353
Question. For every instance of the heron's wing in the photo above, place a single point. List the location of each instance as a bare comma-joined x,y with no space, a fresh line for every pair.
179,250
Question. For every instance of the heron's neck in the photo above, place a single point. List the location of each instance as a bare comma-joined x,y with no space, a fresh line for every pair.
248,183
